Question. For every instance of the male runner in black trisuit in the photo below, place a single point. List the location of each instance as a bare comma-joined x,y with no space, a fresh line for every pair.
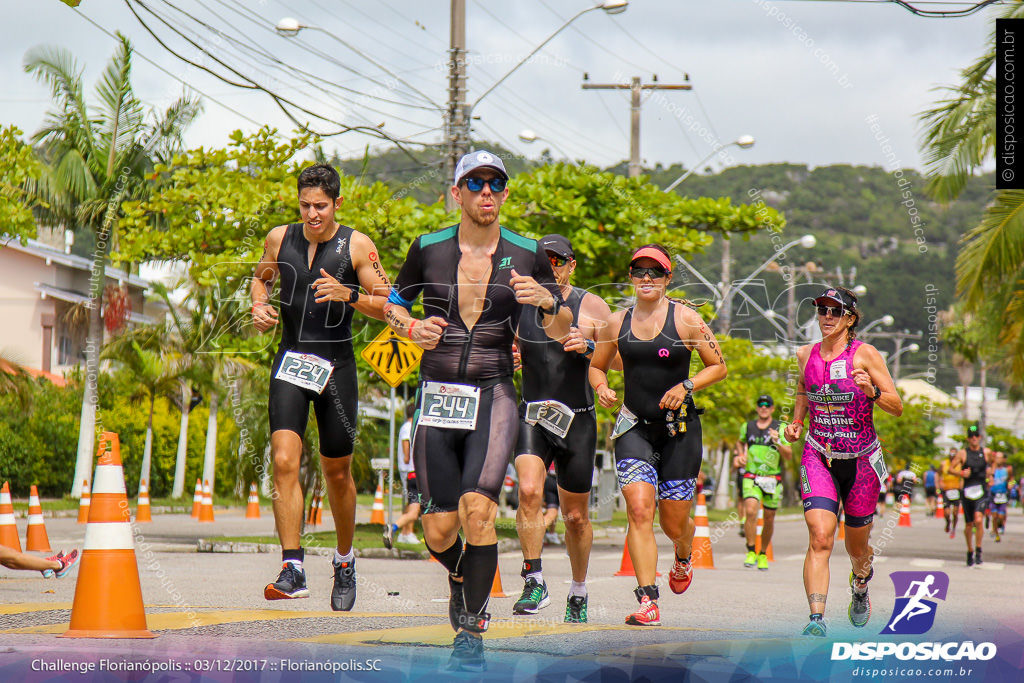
555,387
477,279
322,266
973,463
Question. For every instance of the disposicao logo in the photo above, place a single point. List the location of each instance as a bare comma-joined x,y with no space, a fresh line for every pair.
914,612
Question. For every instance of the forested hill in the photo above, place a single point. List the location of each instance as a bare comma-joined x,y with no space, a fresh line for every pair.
902,245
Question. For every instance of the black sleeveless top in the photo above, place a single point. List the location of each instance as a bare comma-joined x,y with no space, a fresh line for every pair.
652,367
324,329
549,372
975,461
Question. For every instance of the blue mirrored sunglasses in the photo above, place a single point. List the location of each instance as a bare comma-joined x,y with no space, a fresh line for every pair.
477,184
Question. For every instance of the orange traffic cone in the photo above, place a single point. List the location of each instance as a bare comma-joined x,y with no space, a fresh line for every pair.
83,504
626,566
890,498
108,595
377,514
206,510
940,507
842,526
8,527
197,499
253,510
319,510
142,512
311,514
496,591
35,537
702,556
904,511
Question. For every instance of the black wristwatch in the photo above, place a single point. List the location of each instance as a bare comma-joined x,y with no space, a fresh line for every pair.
878,394
353,296
554,307
688,385
591,345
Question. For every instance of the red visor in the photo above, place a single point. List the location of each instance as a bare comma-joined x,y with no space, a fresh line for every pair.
652,253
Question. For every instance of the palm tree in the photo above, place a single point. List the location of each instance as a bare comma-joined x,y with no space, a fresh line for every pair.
93,160
156,372
959,137
15,380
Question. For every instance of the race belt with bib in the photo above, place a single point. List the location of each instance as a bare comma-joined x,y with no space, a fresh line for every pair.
305,370
449,406
554,416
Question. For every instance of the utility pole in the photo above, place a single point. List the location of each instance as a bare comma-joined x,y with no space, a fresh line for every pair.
455,123
636,88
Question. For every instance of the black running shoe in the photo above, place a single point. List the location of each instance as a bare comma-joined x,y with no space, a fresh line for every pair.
970,559
291,583
467,653
977,556
456,602
343,596
535,596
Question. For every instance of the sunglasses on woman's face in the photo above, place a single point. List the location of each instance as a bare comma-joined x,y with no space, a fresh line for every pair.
477,184
557,261
653,273
834,311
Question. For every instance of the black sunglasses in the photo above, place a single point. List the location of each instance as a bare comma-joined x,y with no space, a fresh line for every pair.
557,261
653,273
834,311
477,184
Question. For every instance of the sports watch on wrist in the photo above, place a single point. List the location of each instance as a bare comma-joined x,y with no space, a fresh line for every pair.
688,385
353,296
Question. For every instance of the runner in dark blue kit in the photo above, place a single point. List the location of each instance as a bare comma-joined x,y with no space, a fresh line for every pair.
558,423
478,280
657,433
322,266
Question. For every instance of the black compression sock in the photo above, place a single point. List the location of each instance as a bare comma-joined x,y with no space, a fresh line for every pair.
530,567
449,558
478,568
297,554
750,548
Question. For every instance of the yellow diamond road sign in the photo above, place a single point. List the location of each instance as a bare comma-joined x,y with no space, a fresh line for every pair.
391,356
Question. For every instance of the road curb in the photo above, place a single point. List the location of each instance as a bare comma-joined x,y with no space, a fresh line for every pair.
204,545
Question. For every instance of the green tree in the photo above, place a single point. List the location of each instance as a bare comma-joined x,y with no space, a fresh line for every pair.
19,167
93,159
959,138
156,373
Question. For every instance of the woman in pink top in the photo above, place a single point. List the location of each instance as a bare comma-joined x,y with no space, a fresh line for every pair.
841,382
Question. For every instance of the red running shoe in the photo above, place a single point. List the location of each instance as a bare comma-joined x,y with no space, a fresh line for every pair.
680,577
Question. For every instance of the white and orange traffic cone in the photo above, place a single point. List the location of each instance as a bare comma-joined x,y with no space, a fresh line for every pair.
319,510
626,566
206,511
904,511
760,532
311,513
253,509
108,594
377,514
940,507
8,527
142,512
35,537
702,556
197,499
83,503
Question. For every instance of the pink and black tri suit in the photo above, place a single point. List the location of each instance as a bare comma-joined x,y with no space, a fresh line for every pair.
842,458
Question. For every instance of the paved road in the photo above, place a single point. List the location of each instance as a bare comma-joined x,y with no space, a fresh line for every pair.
208,608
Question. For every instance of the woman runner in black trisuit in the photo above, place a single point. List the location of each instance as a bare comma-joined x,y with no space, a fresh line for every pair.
658,445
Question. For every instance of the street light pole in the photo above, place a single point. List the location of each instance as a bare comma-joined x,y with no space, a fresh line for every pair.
460,115
455,126
743,142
